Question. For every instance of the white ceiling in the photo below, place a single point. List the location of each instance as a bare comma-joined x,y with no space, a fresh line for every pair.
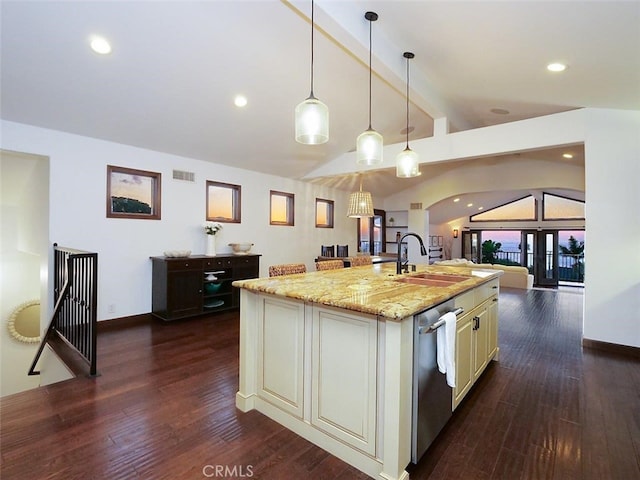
169,83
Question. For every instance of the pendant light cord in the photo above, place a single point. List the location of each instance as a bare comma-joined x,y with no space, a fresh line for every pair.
312,22
407,102
370,47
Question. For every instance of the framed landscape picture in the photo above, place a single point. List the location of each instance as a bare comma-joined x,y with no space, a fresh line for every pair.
133,193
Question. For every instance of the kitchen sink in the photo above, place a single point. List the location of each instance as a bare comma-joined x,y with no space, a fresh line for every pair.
433,279
442,277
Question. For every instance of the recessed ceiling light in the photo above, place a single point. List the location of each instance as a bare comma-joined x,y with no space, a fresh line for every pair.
456,199
499,111
469,204
100,45
480,208
240,101
567,155
556,67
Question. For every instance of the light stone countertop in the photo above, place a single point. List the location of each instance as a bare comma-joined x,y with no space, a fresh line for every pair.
371,289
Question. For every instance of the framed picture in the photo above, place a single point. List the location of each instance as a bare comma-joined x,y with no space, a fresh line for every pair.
133,193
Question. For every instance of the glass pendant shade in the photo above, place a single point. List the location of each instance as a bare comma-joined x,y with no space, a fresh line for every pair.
407,161
369,143
312,116
369,148
407,164
312,122
360,204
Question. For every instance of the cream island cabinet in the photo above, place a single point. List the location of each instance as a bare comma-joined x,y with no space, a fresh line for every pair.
329,355
476,336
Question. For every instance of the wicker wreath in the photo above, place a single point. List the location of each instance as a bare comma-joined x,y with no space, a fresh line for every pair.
11,324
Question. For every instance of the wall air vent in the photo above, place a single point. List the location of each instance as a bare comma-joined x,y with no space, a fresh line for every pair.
185,176
416,206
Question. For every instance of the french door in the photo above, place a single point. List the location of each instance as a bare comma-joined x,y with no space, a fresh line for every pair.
546,259
371,235
471,246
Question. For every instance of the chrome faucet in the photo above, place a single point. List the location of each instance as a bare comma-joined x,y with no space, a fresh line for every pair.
399,263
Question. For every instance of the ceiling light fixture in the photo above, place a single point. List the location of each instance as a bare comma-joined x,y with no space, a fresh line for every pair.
240,101
407,160
556,67
360,204
100,45
567,155
369,144
312,116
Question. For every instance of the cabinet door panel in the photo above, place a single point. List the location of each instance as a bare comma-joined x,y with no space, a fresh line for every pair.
464,358
280,354
184,293
344,377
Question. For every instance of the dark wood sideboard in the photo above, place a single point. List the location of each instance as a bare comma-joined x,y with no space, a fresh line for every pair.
199,284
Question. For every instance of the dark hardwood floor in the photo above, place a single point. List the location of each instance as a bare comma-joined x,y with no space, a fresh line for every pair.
163,408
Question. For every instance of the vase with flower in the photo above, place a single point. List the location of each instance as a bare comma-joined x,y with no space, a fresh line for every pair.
211,229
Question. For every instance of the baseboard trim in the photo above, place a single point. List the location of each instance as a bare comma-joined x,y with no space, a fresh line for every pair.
611,347
124,322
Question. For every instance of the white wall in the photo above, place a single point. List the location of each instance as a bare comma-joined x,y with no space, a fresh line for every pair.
77,219
612,252
24,213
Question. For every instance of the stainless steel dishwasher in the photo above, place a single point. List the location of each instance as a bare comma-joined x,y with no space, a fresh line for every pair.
431,406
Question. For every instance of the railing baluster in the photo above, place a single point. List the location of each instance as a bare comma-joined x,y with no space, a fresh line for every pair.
75,314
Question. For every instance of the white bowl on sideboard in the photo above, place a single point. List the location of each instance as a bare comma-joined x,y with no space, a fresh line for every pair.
241,248
177,253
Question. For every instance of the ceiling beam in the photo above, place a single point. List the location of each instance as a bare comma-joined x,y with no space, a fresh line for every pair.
560,129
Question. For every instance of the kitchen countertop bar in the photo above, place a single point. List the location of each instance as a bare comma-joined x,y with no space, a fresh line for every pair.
371,289
329,355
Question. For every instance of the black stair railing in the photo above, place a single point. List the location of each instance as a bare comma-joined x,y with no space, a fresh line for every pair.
75,316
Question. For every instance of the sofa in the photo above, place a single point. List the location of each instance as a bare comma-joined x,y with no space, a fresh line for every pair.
513,277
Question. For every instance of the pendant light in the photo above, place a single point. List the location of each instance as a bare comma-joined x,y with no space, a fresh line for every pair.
369,143
407,160
360,204
312,116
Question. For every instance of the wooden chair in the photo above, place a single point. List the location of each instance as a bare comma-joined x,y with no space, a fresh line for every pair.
328,251
361,260
329,265
287,269
342,251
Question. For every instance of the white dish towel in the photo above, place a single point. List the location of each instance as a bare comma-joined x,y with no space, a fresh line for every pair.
446,348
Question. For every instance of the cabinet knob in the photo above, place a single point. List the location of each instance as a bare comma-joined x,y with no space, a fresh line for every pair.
495,287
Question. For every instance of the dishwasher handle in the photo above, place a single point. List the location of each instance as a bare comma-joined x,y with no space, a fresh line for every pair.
433,327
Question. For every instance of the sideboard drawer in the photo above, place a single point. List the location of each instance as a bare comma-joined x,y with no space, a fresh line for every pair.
184,264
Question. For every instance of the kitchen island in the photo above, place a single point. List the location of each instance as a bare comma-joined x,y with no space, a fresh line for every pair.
329,354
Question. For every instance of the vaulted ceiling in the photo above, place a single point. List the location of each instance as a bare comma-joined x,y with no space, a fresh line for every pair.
170,80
